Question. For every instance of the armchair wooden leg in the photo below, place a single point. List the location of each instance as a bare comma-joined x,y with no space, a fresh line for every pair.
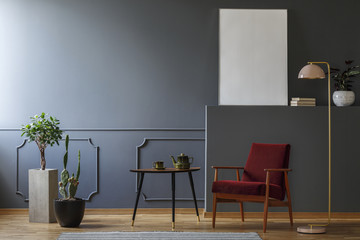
266,203
288,198
242,211
266,207
290,214
214,210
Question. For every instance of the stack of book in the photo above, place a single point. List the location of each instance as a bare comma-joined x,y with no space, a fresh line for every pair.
297,101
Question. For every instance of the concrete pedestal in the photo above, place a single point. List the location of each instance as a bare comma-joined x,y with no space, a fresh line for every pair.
42,192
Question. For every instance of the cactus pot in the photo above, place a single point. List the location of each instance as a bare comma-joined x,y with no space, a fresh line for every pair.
69,213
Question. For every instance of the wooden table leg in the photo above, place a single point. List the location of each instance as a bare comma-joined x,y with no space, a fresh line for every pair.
173,199
137,197
194,196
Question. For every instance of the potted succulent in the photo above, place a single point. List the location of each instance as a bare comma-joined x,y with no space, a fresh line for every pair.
44,131
69,210
343,96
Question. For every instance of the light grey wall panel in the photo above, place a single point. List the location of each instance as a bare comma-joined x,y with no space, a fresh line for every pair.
117,155
160,149
113,69
109,63
232,130
89,161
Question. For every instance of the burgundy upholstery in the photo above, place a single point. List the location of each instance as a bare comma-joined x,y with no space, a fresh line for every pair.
262,156
246,188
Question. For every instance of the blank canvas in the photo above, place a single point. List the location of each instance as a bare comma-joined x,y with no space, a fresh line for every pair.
253,57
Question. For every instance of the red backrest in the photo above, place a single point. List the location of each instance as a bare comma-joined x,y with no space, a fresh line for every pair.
265,156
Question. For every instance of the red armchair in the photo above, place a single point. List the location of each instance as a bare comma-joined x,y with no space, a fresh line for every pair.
264,180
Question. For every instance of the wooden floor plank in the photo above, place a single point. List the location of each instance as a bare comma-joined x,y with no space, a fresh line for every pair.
14,224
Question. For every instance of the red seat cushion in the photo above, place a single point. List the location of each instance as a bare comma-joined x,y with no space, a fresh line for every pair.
246,188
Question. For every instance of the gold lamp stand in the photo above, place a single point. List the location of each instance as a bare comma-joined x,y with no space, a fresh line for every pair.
313,71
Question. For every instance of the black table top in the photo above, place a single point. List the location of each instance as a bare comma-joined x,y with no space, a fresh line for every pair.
166,170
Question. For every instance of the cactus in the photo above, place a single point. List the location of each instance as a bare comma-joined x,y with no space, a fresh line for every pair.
65,177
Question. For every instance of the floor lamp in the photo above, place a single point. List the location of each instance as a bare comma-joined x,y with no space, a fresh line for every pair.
313,71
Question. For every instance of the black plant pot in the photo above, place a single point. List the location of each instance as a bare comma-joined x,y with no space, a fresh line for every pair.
69,213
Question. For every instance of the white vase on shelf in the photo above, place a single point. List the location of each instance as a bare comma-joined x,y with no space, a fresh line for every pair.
343,98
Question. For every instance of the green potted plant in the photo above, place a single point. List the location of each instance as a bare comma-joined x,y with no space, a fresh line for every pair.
69,210
44,131
343,95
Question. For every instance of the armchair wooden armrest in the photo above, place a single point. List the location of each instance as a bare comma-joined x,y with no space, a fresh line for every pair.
278,170
227,167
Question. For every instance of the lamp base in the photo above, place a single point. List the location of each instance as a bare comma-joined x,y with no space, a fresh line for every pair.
311,230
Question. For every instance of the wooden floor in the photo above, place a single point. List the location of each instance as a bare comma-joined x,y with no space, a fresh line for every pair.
14,224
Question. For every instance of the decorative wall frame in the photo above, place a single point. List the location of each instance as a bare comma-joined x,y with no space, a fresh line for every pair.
21,194
137,163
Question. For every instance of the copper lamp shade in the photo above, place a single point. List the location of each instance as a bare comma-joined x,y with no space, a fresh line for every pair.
311,71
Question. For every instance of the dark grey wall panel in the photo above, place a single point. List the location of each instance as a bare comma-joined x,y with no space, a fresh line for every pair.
232,130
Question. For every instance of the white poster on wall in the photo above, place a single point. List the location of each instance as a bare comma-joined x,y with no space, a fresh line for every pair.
253,57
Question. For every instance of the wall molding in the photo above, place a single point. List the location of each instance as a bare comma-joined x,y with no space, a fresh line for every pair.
18,192
110,211
255,215
117,129
285,215
91,194
137,163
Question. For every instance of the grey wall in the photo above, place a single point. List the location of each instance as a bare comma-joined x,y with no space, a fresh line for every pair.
232,130
115,66
94,63
117,154
119,65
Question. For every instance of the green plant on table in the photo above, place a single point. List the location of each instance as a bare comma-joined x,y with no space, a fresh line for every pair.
343,78
73,181
44,131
